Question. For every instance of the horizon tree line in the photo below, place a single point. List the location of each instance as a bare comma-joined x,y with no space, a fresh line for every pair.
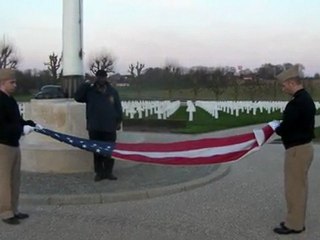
170,77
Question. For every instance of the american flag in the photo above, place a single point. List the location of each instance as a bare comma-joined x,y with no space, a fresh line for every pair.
103,148
193,152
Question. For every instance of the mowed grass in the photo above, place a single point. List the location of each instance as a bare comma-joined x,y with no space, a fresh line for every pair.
204,122
317,134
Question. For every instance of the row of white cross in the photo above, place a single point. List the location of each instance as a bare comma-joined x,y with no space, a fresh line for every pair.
164,109
235,108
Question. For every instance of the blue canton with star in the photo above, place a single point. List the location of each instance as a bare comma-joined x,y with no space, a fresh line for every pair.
99,147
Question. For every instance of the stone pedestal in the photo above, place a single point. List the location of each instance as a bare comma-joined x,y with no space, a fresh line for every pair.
44,154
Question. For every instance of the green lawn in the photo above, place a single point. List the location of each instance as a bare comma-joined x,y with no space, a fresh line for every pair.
317,133
203,122
23,97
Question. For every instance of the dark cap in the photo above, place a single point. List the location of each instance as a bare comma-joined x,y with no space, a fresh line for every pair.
101,73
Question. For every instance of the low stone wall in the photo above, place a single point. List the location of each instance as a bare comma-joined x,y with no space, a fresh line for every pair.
44,154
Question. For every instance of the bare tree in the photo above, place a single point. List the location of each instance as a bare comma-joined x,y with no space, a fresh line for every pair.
218,81
139,67
135,72
252,86
198,77
102,62
8,59
131,71
53,65
172,74
235,83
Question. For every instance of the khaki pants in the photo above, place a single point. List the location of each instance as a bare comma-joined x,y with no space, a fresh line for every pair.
10,161
297,162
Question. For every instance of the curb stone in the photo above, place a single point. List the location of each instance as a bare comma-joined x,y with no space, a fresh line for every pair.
100,198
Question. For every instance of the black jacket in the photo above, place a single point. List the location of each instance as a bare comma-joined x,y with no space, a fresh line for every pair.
297,126
103,110
11,122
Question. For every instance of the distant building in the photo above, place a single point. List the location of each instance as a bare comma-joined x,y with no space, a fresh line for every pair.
247,78
119,80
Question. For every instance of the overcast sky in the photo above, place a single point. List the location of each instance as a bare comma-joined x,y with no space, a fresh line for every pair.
186,32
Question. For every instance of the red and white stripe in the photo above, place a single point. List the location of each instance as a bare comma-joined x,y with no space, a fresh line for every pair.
195,152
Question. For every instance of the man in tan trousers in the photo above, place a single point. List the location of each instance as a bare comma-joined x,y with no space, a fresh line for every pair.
12,126
297,132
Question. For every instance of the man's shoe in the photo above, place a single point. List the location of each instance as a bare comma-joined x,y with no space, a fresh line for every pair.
111,177
284,230
21,215
98,178
282,224
11,221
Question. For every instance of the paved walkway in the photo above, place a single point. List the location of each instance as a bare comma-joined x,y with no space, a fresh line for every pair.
238,201
244,204
137,181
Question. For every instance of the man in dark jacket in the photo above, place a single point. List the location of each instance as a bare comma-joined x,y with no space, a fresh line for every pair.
12,126
104,117
297,132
